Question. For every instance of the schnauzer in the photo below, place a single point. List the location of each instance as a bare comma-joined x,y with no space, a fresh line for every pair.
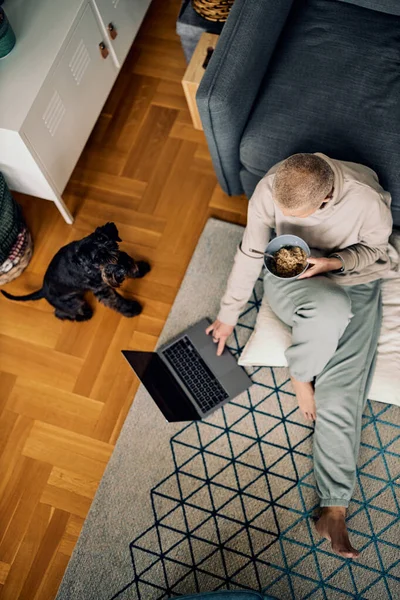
94,264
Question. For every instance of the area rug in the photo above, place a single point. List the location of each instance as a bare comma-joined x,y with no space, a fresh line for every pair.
227,503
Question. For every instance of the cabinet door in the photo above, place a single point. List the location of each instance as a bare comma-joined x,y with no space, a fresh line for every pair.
70,101
122,19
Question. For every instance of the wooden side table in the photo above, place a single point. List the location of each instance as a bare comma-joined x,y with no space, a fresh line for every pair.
195,71
190,25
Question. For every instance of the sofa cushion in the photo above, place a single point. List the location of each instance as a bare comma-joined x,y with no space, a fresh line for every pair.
332,86
392,7
249,182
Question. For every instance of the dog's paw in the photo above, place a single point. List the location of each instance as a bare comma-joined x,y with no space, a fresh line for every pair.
131,309
85,314
143,268
64,316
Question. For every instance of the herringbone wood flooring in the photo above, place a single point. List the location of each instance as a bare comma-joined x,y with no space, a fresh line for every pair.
64,388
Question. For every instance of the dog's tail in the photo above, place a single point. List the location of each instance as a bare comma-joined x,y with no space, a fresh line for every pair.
34,296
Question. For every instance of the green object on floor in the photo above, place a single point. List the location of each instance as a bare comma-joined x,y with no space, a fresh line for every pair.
10,220
7,35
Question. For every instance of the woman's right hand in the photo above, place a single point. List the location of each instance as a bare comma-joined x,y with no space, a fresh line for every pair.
220,333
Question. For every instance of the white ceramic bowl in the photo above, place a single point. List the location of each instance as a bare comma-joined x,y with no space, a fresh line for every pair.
282,241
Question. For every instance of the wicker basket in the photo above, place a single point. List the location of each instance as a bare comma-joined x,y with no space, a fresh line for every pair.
213,10
19,258
15,239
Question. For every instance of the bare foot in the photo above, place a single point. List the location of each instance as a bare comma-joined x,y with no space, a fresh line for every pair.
305,397
332,526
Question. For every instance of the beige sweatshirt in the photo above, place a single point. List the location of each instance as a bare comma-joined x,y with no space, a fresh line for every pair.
355,224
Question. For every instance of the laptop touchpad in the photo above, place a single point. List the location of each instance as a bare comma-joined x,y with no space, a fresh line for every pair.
218,364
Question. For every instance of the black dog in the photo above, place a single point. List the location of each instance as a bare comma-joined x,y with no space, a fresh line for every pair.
95,264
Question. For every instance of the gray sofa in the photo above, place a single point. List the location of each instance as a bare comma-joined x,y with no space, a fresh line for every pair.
293,76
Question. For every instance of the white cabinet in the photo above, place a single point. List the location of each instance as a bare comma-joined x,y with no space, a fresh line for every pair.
64,77
80,82
121,19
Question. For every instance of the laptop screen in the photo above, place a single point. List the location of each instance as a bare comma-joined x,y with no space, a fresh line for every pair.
161,385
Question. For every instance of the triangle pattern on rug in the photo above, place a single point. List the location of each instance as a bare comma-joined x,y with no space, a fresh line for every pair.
249,574
247,475
234,413
182,453
162,505
188,436
252,457
259,489
239,543
185,584
174,520
201,550
201,498
195,467
194,517
169,538
148,590
214,565
221,495
240,442
188,484
235,507
209,433
215,464
253,507
302,587
234,512
307,568
245,426
267,414
265,522
363,578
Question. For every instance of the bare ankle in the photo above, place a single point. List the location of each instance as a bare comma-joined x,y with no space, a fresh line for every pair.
297,382
304,391
334,511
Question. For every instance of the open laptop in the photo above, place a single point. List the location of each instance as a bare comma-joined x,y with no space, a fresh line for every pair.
186,378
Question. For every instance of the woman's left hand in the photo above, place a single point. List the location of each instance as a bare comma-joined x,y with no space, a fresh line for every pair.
321,265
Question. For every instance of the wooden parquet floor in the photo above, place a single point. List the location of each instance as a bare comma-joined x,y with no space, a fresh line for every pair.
64,388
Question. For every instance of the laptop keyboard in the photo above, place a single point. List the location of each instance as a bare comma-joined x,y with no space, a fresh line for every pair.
195,374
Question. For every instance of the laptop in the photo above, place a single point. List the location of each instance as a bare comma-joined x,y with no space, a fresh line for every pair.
186,378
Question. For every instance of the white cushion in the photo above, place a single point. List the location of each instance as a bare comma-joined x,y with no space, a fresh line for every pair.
271,337
268,342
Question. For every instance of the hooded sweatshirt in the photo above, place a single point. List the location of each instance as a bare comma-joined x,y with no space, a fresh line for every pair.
354,225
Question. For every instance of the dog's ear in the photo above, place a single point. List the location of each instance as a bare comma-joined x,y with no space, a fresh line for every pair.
109,230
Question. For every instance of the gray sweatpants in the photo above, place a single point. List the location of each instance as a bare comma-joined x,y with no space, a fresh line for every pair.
335,332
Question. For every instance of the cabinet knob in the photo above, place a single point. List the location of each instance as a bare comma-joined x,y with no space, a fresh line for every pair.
103,50
112,32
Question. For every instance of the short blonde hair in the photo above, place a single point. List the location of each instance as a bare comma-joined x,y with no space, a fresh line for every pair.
302,181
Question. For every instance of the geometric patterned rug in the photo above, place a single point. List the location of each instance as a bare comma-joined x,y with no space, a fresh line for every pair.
228,502
246,470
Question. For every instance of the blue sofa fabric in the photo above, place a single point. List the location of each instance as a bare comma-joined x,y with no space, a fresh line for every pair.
231,82
392,7
333,86
304,76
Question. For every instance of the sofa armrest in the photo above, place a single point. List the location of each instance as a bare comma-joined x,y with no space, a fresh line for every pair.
232,79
